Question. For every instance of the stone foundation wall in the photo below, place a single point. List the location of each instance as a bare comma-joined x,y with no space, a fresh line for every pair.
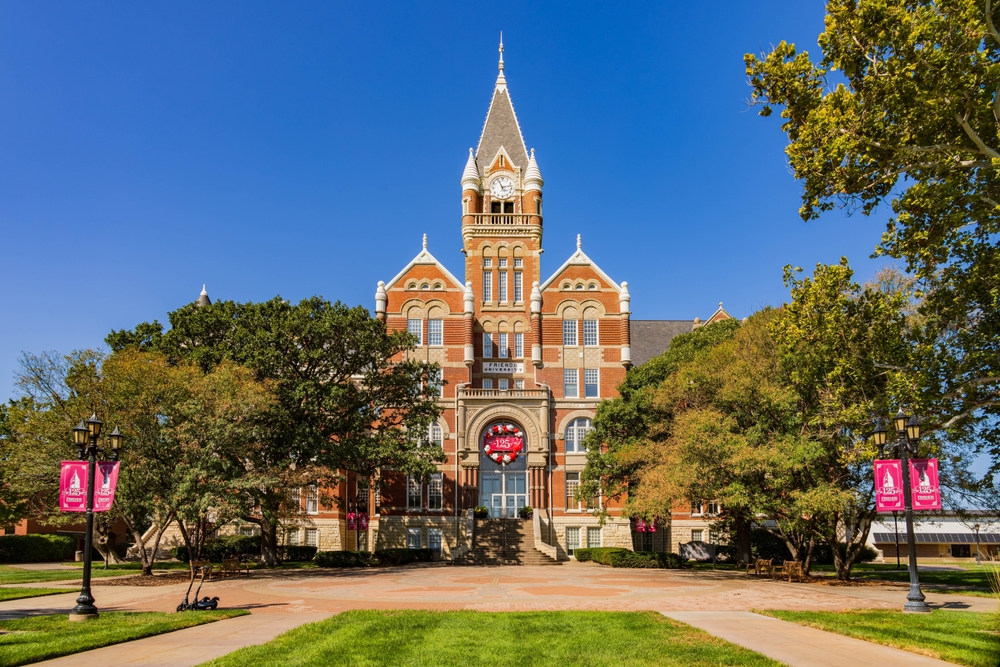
392,531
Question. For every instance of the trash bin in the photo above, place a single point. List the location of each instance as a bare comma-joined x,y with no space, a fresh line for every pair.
79,556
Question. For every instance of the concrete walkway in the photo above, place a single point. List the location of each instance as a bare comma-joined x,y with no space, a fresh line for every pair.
191,646
797,645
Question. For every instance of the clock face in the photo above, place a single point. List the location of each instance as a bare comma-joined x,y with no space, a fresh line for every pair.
502,187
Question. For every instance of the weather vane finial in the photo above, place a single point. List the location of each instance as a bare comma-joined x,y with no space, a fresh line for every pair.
501,50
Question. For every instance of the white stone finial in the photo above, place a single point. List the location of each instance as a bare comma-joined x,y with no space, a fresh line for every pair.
501,81
204,291
624,300
425,241
501,50
380,297
579,241
720,305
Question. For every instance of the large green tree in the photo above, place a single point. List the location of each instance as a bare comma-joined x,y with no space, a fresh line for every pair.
347,396
902,108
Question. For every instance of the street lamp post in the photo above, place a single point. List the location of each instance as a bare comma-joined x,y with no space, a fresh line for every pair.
86,436
975,529
907,439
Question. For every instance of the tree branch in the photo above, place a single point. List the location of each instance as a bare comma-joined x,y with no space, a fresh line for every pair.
989,22
983,148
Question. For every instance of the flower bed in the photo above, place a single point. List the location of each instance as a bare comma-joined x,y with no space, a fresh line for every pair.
619,557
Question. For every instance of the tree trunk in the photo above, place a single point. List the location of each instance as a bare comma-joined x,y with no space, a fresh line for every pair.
268,543
743,545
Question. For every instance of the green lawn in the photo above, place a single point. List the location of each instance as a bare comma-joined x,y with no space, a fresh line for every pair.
14,575
44,637
963,637
19,593
535,639
969,578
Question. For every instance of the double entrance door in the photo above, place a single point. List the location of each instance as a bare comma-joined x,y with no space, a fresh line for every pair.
504,493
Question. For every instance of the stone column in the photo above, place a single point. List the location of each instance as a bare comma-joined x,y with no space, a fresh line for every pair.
470,309
625,308
536,325
381,298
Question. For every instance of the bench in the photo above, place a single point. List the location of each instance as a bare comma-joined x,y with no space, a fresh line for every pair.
765,565
205,565
790,569
234,566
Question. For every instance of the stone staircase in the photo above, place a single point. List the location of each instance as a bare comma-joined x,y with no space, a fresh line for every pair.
504,542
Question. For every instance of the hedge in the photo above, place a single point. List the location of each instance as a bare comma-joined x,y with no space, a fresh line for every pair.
36,548
620,557
381,558
244,547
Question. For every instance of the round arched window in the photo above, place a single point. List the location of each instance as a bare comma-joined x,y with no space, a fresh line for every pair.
576,431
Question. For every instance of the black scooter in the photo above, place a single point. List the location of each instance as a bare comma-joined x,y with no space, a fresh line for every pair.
202,604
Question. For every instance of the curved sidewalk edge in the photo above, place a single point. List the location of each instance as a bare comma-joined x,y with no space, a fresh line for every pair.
190,646
797,645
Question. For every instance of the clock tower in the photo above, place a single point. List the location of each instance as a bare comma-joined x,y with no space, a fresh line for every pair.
501,226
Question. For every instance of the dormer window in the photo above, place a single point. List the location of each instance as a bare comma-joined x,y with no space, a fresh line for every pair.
502,162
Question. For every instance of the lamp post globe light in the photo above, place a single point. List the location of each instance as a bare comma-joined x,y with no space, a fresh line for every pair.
86,436
907,429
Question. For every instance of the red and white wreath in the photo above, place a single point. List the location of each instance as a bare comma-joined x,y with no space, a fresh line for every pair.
502,442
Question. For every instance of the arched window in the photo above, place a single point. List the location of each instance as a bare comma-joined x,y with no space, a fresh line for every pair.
575,433
435,435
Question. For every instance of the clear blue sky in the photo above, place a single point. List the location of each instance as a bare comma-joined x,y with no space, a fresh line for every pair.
302,148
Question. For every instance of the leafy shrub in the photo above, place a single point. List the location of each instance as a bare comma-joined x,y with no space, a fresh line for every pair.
388,557
525,512
296,554
36,548
481,512
383,558
619,557
345,559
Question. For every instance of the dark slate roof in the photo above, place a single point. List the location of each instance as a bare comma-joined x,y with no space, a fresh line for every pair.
501,129
651,338
939,538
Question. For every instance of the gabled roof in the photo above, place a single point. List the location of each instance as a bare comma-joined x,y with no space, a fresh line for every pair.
579,258
651,338
719,315
501,127
424,257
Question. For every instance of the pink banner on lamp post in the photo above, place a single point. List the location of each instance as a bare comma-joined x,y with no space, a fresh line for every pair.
924,487
889,486
73,486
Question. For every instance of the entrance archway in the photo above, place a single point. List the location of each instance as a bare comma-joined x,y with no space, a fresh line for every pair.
503,486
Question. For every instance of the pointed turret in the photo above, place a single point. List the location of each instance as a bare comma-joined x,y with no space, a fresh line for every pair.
501,129
203,299
532,175
470,177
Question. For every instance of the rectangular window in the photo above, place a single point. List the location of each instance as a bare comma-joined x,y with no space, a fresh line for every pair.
435,493
435,381
518,285
502,262
518,384
519,346
589,333
487,285
502,287
312,500
571,378
504,351
593,537
518,262
487,262
416,328
569,332
487,346
713,537
312,537
414,493
295,499
591,382
434,539
572,540
502,384
435,332
413,538
696,535
487,383
292,538
572,485
712,507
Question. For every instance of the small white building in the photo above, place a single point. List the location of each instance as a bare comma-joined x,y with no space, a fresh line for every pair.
938,535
